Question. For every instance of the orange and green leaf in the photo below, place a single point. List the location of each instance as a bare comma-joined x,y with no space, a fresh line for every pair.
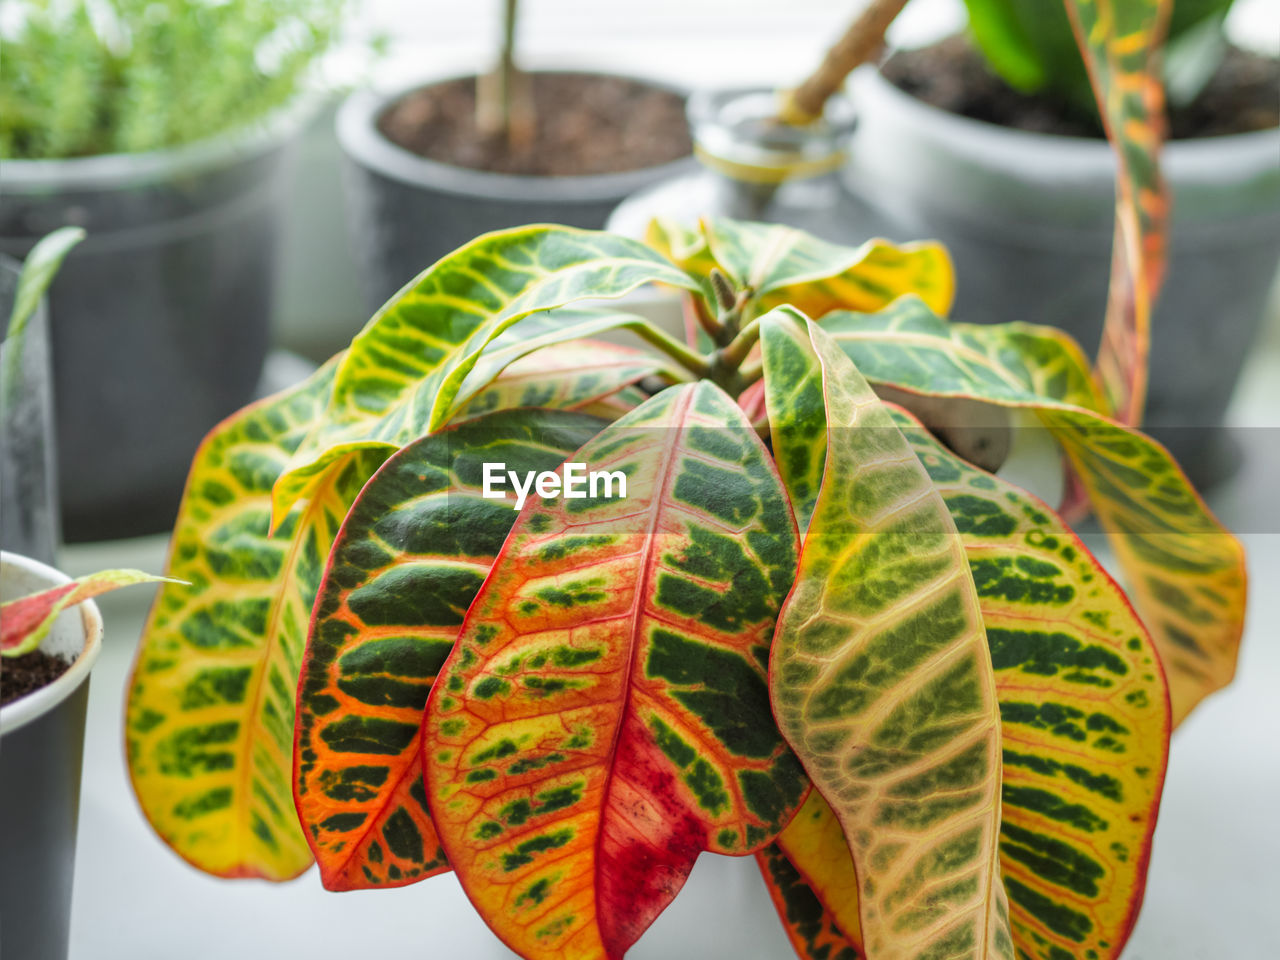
604,717
880,676
1121,42
209,718
809,921
412,553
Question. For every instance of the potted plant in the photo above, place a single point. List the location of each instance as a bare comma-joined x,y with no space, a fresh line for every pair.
991,143
128,120
50,636
488,596
431,166
384,666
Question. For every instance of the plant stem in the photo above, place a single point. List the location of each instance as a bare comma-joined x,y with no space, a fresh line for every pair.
741,345
859,44
697,364
503,104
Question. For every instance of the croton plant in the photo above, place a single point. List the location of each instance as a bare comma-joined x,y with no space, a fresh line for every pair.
794,623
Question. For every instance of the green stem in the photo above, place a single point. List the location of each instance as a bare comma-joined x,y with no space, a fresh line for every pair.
738,348
695,363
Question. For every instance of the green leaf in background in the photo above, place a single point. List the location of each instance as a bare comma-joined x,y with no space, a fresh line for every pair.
880,676
71,86
412,553
38,271
1030,44
402,375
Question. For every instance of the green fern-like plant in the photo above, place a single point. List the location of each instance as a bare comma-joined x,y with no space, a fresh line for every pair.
124,76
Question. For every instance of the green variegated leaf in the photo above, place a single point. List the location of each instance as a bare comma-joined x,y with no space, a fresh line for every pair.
402,374
909,346
1184,571
415,547
881,680
604,716
781,265
209,724
555,343
1121,42
615,405
566,377
1085,726
1084,709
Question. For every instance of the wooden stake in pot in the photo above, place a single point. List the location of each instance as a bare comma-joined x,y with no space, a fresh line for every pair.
860,43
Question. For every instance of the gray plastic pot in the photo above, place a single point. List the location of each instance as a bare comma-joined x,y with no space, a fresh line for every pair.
160,317
41,748
28,470
1028,220
406,212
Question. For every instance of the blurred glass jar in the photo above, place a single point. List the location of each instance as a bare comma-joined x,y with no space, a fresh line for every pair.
754,167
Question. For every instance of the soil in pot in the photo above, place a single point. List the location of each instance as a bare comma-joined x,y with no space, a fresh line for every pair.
585,124
1239,98
26,674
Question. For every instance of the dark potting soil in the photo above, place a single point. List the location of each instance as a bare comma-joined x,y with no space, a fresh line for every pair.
28,673
1243,95
585,124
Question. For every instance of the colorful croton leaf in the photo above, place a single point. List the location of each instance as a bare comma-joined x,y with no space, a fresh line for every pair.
810,877
567,376
403,374
778,265
880,676
412,553
209,720
1085,728
26,621
1184,571
1121,41
813,929
604,717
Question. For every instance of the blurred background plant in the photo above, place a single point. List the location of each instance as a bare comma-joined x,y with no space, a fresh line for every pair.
86,77
1029,43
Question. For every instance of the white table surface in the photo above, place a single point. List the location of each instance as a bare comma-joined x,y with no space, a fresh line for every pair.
1215,871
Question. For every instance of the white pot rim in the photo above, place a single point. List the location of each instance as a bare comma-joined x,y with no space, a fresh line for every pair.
363,142
19,713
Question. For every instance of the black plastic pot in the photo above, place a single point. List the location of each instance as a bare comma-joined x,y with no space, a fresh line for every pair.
41,748
406,212
1028,219
28,470
159,318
